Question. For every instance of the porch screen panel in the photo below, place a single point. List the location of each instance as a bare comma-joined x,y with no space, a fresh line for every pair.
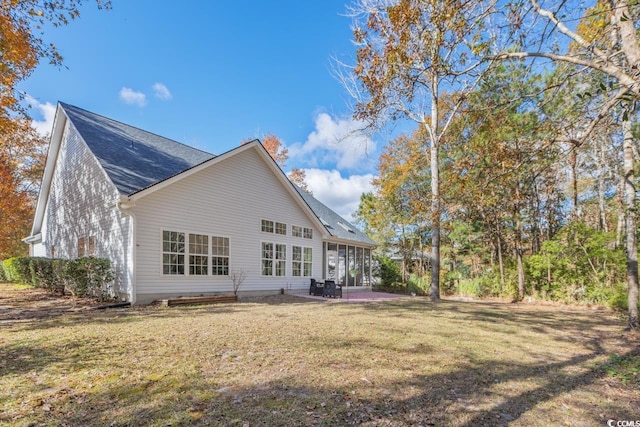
342,264
367,267
359,265
351,262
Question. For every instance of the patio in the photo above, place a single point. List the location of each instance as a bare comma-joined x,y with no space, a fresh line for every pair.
351,295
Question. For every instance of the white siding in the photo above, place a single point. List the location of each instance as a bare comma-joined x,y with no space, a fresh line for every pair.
38,250
81,203
227,199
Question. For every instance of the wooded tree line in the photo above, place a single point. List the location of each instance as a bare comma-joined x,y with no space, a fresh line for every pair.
520,175
22,149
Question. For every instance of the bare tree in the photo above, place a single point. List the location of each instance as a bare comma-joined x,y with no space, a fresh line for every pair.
409,53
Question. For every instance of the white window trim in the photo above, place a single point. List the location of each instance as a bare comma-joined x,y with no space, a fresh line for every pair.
186,274
302,261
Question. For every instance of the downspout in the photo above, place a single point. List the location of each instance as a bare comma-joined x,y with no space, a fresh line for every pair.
124,206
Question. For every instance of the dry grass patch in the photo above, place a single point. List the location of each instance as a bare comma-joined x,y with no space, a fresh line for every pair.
290,361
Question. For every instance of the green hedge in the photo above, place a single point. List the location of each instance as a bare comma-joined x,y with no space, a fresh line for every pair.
81,277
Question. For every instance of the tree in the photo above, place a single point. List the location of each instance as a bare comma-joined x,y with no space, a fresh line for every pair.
16,209
609,45
280,154
22,46
408,52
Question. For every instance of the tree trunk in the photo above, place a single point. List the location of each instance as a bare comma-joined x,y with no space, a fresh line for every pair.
621,211
602,213
434,289
518,250
500,260
631,226
573,162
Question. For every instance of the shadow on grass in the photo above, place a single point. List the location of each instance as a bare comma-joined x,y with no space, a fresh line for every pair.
472,391
465,397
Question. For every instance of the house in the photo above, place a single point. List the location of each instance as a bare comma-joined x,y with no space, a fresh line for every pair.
177,221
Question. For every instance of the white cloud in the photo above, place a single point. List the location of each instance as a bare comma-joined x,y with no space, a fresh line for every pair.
162,92
47,112
131,97
336,141
341,194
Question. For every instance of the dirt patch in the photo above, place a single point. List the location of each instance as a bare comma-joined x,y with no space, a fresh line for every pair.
23,303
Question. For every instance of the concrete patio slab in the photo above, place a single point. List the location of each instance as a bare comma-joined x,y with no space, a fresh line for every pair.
359,296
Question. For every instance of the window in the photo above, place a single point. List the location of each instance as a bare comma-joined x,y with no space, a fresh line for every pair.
220,256
267,259
281,228
281,260
172,252
92,246
308,233
302,259
198,254
296,231
196,250
81,248
308,258
267,226
296,261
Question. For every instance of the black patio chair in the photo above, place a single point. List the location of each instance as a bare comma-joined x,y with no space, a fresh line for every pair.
331,289
316,288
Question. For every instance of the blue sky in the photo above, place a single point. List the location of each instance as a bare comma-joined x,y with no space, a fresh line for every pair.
211,74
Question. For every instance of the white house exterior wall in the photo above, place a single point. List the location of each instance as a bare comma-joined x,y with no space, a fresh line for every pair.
82,203
227,199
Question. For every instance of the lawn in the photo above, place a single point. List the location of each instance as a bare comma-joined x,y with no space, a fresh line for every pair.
291,361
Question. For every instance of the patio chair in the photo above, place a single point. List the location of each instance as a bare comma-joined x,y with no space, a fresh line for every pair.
316,288
331,289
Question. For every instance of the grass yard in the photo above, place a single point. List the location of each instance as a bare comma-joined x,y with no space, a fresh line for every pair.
288,361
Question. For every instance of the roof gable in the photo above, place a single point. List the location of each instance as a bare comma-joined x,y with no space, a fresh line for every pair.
140,162
335,225
132,158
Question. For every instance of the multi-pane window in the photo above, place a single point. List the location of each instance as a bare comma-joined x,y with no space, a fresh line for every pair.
198,254
281,260
172,252
296,261
220,256
81,251
301,261
267,226
298,231
267,259
91,249
198,251
281,228
307,261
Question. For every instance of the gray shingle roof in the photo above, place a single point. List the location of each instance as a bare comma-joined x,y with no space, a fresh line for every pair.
133,158
334,223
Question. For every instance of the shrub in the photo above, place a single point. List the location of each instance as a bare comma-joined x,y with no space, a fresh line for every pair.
387,270
89,276
82,277
3,277
17,269
44,276
419,285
